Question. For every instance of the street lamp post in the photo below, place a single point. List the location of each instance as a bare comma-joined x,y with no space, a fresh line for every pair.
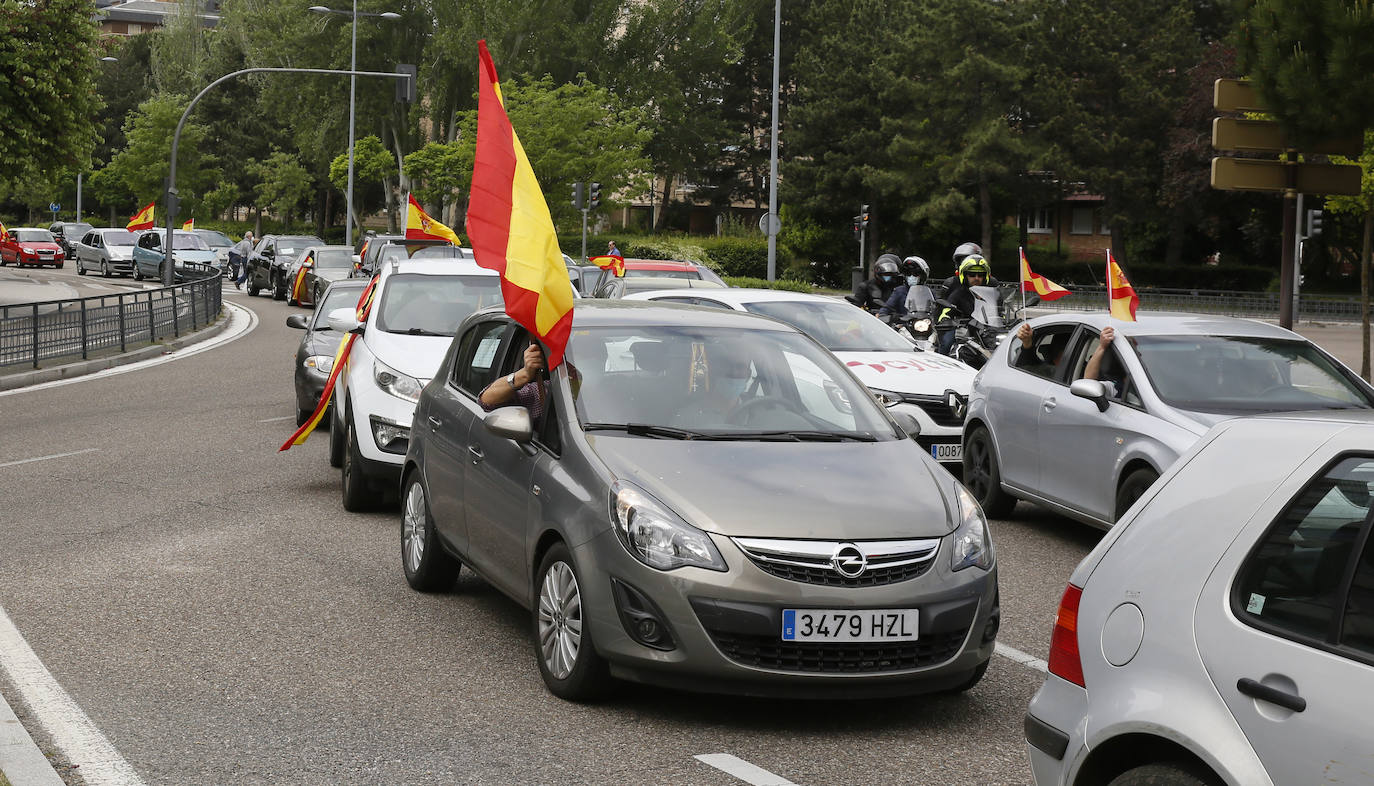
773,223
352,89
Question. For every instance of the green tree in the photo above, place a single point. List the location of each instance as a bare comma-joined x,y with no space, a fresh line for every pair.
48,102
437,172
282,183
142,166
180,56
373,170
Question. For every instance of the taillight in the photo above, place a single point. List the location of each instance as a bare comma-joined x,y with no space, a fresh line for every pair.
1064,658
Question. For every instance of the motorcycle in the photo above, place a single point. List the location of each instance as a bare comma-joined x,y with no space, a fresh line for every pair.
921,313
978,334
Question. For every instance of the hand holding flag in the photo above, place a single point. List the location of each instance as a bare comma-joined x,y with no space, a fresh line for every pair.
1121,297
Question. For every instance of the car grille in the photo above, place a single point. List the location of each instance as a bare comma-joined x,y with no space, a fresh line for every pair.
812,561
770,652
938,410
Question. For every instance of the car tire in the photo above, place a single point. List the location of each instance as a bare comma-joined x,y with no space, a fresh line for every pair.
80,268
278,289
1164,774
427,566
105,269
579,675
250,284
353,483
983,477
336,444
303,415
1132,487
138,272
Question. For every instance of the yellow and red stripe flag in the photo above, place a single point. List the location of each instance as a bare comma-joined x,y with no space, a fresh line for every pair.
1121,296
189,225
613,261
510,226
143,219
4,233
340,360
1034,282
298,286
419,226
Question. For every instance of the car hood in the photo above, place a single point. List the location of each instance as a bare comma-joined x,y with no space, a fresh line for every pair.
924,373
40,246
333,274
820,490
120,252
415,356
193,255
323,342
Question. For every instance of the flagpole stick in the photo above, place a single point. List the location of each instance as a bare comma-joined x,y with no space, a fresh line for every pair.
1021,277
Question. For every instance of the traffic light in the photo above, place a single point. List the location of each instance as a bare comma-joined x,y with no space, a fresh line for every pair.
594,198
405,87
577,195
863,216
1314,223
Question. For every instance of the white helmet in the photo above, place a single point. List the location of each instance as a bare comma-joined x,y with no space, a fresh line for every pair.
915,266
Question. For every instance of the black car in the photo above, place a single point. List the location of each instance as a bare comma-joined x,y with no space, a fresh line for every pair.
68,234
269,260
315,355
378,248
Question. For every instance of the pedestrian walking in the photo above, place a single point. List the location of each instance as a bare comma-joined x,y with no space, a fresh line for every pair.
238,258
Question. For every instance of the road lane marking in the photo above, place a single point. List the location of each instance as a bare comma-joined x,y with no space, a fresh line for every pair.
274,420
1025,659
45,458
72,731
739,768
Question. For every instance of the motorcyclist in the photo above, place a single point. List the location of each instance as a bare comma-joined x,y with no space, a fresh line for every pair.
974,271
961,252
874,293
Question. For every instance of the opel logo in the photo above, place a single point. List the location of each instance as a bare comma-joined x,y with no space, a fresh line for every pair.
848,561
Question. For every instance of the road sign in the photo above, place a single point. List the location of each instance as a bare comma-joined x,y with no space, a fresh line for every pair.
1252,174
769,224
54,207
1266,136
1236,95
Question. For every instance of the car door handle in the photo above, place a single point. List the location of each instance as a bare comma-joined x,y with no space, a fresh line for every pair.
1259,690
1049,404
435,423
476,452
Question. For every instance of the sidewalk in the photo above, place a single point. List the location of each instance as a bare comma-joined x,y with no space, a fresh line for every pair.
17,289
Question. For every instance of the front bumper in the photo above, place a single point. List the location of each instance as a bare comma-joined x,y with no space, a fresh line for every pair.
942,429
727,626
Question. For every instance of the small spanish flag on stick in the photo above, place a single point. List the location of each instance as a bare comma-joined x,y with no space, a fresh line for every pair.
419,226
340,361
189,225
613,261
143,219
1034,282
1121,297
298,286
510,226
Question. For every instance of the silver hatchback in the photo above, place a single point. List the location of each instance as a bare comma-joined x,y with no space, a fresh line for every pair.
1037,430
1223,631
704,499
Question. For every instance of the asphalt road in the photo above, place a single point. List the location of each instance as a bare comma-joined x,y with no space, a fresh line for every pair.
208,604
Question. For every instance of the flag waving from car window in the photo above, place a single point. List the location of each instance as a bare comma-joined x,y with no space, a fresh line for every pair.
510,226
1034,282
1120,294
615,262
419,226
189,225
143,219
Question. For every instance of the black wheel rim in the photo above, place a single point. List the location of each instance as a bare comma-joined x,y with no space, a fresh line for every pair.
980,468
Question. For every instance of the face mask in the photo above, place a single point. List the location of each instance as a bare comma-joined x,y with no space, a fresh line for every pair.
913,281
731,386
887,277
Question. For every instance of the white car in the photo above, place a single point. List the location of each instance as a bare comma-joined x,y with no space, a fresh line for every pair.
416,308
930,387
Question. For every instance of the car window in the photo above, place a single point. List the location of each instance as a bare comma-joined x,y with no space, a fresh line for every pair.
1294,583
32,236
839,326
188,242
116,237
336,297
545,427
477,360
1111,371
1046,352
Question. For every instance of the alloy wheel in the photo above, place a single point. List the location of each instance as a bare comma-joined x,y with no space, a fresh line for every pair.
980,475
413,520
560,620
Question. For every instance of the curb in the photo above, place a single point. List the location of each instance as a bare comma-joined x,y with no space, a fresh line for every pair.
24,379
20,759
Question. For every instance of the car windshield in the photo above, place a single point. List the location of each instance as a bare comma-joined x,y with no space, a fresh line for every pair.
336,297
76,231
724,383
840,327
1235,375
119,237
32,236
215,239
442,252
333,259
429,305
188,242
287,246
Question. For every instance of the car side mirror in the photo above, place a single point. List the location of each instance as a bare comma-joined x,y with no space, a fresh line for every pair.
510,422
344,320
1091,389
907,421
297,321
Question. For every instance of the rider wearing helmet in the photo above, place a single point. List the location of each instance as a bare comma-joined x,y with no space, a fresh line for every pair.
974,271
916,270
875,292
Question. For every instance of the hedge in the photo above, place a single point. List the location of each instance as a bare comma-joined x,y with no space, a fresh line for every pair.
763,283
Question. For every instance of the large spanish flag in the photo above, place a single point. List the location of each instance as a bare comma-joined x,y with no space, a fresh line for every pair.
419,226
1120,294
143,219
189,225
1034,282
340,361
510,226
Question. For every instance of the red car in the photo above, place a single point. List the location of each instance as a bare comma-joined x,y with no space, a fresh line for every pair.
657,268
31,246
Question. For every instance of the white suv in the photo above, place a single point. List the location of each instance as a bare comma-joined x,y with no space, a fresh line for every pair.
415,311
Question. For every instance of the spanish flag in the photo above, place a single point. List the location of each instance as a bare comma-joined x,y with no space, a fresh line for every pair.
143,219
189,225
1034,282
4,233
1120,294
419,226
298,286
510,226
340,360
613,261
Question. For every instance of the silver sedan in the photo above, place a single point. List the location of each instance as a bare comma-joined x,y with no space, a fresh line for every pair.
1087,448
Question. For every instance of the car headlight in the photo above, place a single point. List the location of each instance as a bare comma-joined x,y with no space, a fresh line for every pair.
972,546
886,397
656,536
921,325
321,363
396,383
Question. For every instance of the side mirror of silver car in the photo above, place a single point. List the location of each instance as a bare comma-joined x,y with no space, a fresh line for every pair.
907,421
298,322
511,423
1091,389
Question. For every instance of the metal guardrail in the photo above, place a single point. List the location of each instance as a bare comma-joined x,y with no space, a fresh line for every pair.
1255,305
33,332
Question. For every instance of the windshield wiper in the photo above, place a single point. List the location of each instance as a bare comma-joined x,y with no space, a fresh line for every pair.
419,331
645,430
795,436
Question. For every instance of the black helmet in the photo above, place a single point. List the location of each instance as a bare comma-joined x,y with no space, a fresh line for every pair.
917,267
964,250
887,265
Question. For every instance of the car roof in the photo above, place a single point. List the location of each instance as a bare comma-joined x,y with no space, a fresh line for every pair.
333,247
40,229
1172,325
659,264
738,296
603,312
635,283
435,267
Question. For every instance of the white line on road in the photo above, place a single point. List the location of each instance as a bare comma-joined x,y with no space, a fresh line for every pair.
739,768
1027,660
68,725
45,458
274,420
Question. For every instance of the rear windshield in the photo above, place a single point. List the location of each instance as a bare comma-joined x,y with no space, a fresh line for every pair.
119,237
428,305
32,235
188,242
333,259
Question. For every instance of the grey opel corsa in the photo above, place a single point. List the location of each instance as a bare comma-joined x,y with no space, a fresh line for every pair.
706,500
